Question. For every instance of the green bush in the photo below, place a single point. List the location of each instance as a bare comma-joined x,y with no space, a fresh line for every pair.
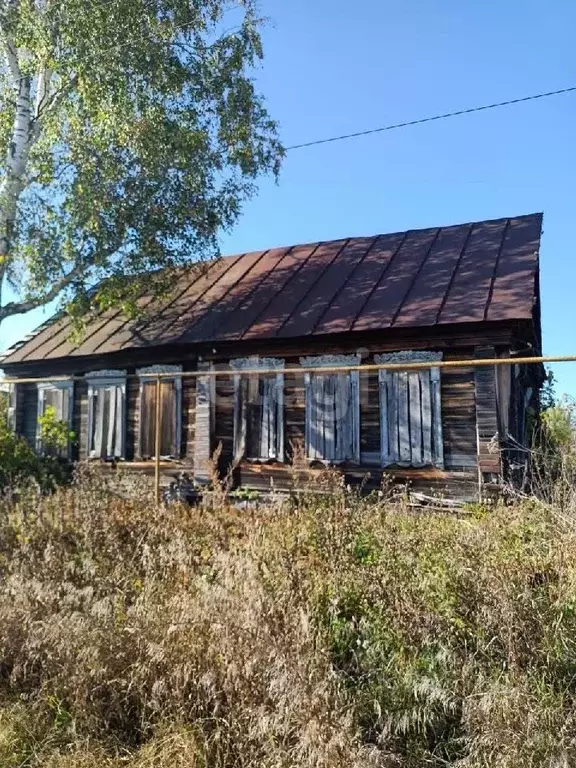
20,465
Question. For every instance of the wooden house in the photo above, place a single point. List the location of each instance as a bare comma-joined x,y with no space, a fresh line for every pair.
449,293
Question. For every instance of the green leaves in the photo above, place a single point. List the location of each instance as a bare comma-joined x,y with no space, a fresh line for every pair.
149,139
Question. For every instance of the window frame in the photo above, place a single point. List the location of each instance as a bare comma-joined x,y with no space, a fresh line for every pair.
240,412
52,386
12,408
177,380
388,381
100,380
328,361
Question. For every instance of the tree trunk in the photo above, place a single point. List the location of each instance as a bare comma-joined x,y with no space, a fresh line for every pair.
16,163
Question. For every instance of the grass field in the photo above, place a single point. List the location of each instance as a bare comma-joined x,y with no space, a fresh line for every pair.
334,632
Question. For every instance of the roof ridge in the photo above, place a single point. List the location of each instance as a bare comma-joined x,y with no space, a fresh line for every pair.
310,243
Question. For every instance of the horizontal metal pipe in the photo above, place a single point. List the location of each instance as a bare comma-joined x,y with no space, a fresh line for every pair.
474,363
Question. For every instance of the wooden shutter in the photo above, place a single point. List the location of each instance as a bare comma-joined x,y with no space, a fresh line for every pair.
106,419
12,413
111,432
332,422
426,404
411,425
240,416
147,418
436,399
168,436
279,414
202,425
170,405
259,414
332,417
97,421
315,416
355,416
266,413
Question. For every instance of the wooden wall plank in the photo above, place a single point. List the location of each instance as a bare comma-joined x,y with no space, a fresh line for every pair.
487,414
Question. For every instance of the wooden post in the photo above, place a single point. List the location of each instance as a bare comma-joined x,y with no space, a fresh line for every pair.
157,433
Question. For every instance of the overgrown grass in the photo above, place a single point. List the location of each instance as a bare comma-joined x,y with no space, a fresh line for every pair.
336,633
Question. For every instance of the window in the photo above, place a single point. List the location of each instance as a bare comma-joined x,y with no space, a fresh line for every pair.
170,412
259,410
106,414
332,410
56,395
410,416
12,407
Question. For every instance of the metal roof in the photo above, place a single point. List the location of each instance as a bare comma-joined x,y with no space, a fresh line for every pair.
477,272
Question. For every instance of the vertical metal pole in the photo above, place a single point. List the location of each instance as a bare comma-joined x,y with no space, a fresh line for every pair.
157,432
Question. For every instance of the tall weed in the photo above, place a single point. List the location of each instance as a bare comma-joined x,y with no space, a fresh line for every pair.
340,632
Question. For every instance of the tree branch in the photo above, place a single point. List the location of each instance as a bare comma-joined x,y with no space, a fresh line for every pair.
42,91
11,58
20,307
49,103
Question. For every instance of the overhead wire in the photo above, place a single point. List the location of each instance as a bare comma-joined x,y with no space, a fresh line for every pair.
379,129
432,118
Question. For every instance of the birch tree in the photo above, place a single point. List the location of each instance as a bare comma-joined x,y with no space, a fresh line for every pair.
131,132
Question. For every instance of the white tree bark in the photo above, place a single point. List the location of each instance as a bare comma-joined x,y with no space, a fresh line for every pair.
17,154
29,112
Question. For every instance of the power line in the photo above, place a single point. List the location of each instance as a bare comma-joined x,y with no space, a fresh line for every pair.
422,120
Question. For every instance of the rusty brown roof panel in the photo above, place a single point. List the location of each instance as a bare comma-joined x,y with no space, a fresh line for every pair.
470,291
424,300
346,307
179,308
35,347
475,272
328,285
280,265
271,321
211,324
386,300
514,280
219,293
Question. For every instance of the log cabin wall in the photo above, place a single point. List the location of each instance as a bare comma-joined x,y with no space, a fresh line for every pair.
459,477
461,408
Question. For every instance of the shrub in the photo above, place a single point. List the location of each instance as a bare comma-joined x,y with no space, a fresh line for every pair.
342,632
20,464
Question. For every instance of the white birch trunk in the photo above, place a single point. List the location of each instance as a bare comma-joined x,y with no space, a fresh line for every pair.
16,165
25,131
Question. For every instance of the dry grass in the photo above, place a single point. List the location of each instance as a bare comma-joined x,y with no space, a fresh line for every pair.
337,633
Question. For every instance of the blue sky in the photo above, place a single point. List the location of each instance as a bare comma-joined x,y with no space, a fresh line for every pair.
337,67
